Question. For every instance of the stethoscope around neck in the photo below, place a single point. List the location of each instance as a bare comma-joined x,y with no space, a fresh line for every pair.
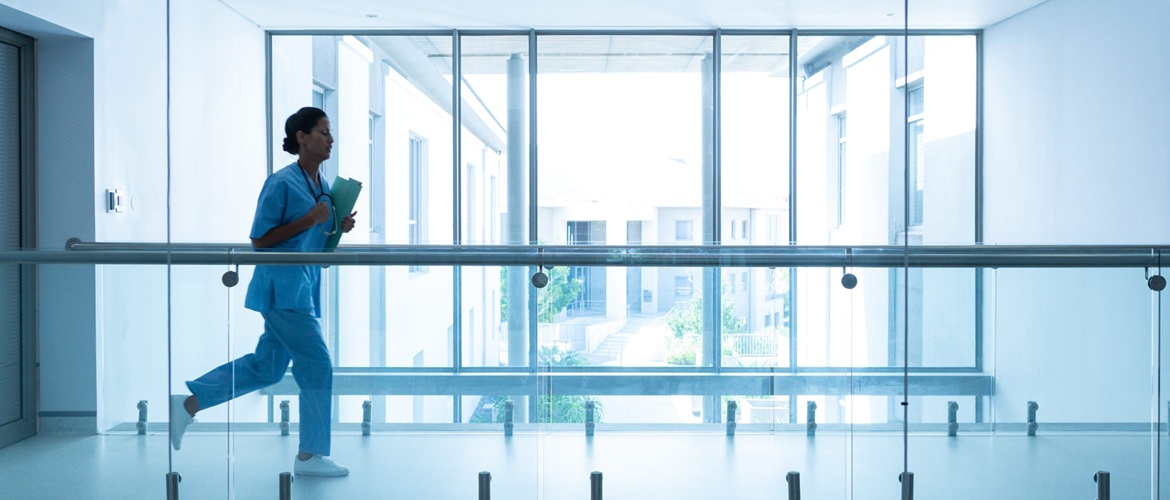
317,199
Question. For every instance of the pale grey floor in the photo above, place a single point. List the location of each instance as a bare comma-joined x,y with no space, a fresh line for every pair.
636,465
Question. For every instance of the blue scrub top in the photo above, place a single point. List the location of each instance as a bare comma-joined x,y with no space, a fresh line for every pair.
286,197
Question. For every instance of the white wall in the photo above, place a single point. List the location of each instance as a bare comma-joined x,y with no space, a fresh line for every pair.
1075,148
65,66
132,156
66,204
103,114
1075,153
217,164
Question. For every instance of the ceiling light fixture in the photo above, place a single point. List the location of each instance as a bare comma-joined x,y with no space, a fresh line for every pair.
371,16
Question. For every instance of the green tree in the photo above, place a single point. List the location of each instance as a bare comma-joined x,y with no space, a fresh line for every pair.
689,320
551,300
687,326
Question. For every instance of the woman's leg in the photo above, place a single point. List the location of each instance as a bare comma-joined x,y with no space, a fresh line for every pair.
248,373
260,369
300,334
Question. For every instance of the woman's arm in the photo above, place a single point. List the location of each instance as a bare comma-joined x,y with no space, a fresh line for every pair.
280,234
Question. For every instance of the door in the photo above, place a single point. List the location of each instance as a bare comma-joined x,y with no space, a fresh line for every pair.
17,390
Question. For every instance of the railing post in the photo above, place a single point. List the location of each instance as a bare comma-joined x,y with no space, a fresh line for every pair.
595,486
1032,425
284,417
952,418
589,424
731,408
793,479
812,418
286,479
367,406
485,486
1102,480
141,425
509,407
907,480
173,479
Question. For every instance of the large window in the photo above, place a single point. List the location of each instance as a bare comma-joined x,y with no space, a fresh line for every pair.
863,181
648,139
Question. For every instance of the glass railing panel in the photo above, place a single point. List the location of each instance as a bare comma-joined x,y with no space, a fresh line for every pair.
830,342
209,329
1070,350
627,317
755,318
132,362
1031,319
488,328
518,436
414,339
940,304
392,316
838,327
941,329
1161,332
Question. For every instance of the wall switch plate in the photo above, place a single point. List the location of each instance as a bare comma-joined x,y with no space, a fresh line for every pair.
115,201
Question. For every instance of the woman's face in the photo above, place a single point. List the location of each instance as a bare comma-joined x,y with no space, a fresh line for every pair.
318,142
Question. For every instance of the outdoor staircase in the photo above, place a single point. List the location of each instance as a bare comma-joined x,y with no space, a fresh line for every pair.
611,348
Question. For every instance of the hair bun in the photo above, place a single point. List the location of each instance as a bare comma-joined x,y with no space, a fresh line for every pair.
290,145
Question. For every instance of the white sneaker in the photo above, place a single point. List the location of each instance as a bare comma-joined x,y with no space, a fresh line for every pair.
319,465
180,419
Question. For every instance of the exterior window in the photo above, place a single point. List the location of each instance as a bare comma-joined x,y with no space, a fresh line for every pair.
472,222
743,230
841,144
417,183
916,150
733,228
684,230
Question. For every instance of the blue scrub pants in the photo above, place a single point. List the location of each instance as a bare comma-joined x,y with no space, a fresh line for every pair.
288,335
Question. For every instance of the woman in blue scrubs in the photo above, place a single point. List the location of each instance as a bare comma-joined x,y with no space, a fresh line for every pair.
294,214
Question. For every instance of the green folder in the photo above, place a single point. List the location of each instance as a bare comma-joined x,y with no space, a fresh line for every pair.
345,194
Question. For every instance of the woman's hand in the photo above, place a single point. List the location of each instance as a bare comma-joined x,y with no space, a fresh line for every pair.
348,222
319,213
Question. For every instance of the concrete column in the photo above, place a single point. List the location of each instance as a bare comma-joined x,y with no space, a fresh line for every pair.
712,291
517,219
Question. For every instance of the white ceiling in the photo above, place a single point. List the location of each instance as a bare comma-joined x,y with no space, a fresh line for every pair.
600,14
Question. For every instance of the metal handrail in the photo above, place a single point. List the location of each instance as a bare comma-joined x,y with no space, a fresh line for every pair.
967,256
